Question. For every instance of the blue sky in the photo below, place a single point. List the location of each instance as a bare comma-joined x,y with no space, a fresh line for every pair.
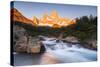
30,9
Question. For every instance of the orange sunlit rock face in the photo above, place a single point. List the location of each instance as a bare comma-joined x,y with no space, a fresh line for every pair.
54,20
17,16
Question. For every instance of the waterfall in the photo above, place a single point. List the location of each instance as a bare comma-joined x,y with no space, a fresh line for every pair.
67,53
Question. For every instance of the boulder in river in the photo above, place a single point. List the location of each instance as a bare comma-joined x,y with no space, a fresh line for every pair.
71,39
91,44
33,45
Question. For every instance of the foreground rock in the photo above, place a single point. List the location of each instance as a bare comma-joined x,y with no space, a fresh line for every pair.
33,45
29,46
25,43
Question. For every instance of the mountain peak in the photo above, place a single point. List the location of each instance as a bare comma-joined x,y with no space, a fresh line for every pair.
54,14
35,20
54,20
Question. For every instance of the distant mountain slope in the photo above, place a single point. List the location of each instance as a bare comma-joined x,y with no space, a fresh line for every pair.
17,16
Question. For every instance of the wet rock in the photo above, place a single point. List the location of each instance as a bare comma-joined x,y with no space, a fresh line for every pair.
19,39
23,42
20,48
71,39
42,49
91,44
33,45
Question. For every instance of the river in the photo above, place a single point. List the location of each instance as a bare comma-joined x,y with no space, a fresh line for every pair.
64,52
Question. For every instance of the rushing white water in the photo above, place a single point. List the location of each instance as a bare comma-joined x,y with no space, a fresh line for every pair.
66,53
